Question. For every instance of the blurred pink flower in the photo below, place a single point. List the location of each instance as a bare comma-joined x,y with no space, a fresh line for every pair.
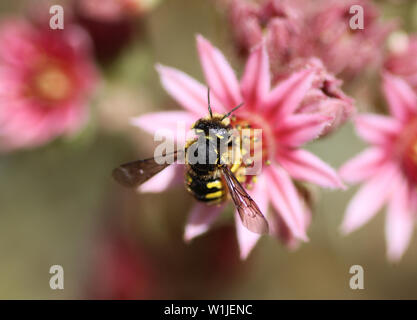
46,77
325,95
305,28
112,24
114,10
292,45
342,49
121,270
284,132
388,168
106,10
282,21
402,61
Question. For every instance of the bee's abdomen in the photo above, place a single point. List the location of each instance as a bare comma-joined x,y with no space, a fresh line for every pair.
208,189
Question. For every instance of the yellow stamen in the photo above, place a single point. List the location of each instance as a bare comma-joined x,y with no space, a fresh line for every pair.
234,167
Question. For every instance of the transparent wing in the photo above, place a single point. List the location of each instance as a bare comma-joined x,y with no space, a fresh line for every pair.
133,174
252,218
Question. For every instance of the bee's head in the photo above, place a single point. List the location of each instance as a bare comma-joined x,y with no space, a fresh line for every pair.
214,128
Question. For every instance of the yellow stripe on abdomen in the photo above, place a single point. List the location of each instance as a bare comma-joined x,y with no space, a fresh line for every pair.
214,195
214,184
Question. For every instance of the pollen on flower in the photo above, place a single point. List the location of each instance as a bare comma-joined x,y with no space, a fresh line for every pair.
52,84
242,124
253,147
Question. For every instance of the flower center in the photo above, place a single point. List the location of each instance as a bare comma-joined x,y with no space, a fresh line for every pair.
52,83
408,149
256,150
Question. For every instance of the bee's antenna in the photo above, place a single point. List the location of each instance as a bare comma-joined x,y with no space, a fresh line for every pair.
234,109
208,99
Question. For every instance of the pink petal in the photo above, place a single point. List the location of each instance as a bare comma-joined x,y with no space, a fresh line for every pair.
11,82
285,98
17,39
33,137
369,199
173,122
401,98
377,129
56,122
298,129
400,220
26,127
280,229
169,177
248,239
75,117
286,201
200,219
364,165
256,80
78,39
245,238
305,166
219,74
188,92
16,117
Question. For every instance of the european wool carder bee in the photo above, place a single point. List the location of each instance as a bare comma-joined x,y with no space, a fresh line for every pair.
210,169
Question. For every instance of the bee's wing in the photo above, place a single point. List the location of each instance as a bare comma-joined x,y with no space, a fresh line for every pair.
133,174
252,218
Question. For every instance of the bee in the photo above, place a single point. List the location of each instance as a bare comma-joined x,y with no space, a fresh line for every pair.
212,178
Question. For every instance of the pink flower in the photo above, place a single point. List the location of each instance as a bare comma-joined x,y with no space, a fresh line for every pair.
281,19
284,132
305,28
112,24
292,45
114,10
325,95
342,49
46,77
121,269
388,169
402,61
